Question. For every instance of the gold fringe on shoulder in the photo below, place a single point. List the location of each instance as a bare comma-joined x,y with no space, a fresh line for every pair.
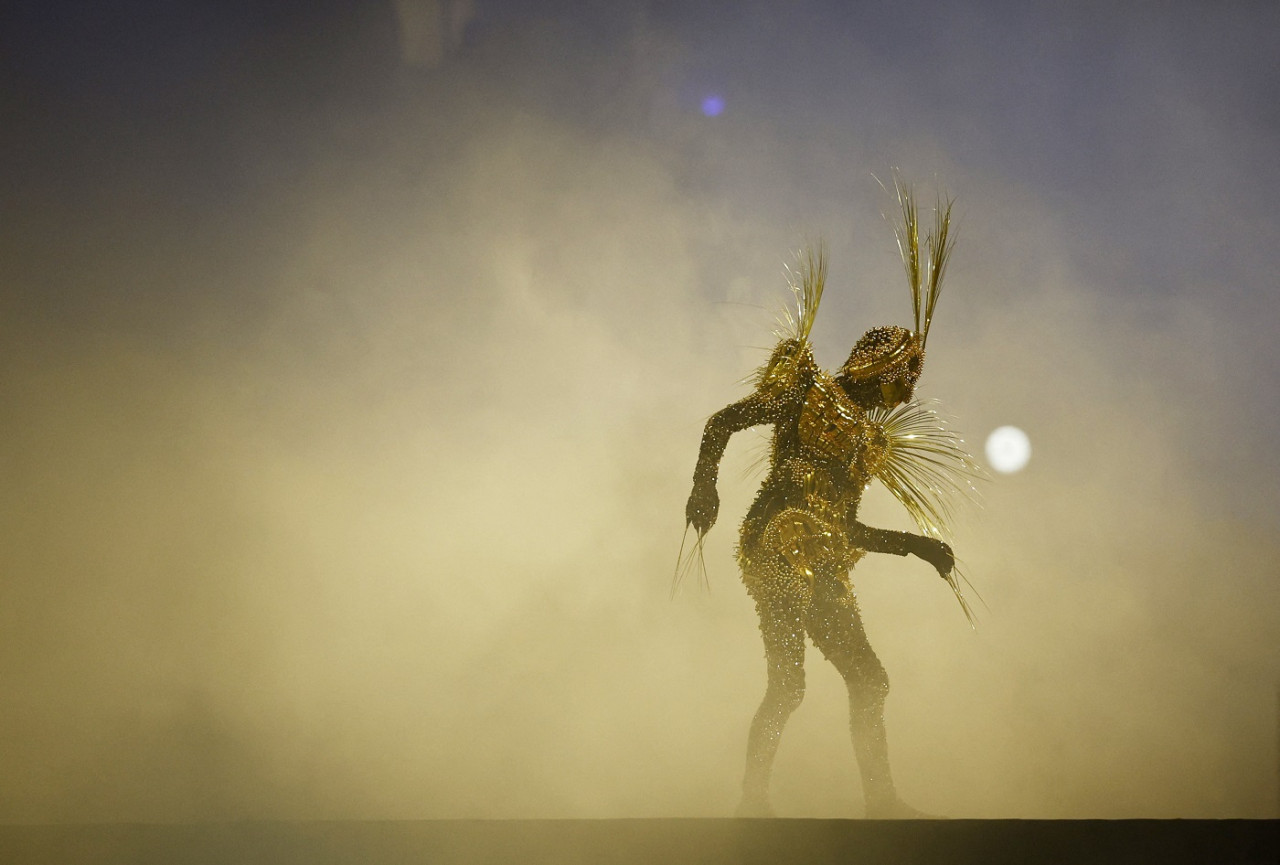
792,357
926,466
807,280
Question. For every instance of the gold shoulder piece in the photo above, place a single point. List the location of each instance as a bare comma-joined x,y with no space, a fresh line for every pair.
790,365
807,280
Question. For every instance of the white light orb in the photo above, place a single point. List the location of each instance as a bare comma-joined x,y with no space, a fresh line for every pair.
1008,449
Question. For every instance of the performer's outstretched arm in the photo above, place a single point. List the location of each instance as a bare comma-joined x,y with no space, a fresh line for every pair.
935,552
704,501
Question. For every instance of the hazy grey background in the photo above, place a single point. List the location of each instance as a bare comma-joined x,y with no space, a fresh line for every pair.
350,396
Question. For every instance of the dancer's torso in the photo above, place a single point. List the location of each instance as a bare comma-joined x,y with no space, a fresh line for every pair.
824,450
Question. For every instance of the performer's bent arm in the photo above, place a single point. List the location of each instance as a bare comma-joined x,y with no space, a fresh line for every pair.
704,501
935,552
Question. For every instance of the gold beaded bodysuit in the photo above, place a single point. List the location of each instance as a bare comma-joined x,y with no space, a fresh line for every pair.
833,434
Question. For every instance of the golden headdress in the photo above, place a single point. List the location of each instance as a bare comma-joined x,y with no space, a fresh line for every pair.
895,353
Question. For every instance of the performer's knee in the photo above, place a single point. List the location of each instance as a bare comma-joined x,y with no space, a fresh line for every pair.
786,689
868,682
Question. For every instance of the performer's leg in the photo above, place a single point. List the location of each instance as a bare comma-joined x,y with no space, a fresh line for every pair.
835,625
781,624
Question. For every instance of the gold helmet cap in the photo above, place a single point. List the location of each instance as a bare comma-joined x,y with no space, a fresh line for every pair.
888,353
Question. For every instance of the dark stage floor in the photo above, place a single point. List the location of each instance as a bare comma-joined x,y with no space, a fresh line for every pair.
563,842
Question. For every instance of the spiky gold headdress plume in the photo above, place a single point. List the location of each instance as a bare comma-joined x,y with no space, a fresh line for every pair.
924,281
806,280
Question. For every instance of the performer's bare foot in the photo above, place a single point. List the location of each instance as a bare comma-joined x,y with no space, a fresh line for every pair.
896,809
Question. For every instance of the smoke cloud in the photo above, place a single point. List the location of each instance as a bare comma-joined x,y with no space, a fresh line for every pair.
346,443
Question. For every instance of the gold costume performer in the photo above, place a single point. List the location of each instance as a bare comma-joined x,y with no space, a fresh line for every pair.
833,434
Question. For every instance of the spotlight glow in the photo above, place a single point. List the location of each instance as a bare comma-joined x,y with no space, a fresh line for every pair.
713,105
1008,449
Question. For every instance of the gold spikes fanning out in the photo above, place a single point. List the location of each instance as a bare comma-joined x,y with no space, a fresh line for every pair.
926,467
925,281
794,352
806,279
